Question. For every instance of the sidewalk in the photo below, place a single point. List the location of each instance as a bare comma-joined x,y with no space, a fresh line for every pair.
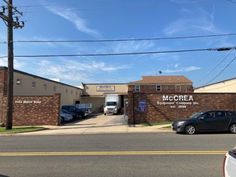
98,130
100,124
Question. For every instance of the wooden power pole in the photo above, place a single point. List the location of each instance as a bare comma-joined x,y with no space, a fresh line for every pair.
10,22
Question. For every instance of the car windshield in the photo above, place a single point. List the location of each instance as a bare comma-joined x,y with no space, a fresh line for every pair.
196,115
111,103
68,108
64,111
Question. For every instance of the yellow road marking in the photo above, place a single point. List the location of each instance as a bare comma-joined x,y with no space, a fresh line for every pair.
110,153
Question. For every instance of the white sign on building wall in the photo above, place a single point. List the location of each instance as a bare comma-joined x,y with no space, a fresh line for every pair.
177,101
102,88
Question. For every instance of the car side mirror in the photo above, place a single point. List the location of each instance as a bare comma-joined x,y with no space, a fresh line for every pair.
201,118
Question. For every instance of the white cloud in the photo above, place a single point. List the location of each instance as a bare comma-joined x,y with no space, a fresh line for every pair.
184,69
17,63
176,65
133,46
190,23
76,71
195,22
184,1
70,15
3,62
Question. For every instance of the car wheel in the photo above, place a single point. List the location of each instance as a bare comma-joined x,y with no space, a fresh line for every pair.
232,128
190,129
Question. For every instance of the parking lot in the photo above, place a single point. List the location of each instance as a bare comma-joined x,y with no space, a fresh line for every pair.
98,124
100,120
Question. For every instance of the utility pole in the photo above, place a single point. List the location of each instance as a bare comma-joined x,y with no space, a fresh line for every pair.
10,22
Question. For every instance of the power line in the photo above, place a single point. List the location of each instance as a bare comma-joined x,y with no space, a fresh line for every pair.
10,5
218,64
231,61
124,53
124,39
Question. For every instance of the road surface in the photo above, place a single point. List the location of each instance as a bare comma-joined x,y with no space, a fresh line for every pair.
115,155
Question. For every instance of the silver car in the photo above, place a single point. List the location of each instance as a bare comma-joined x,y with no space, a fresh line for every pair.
65,116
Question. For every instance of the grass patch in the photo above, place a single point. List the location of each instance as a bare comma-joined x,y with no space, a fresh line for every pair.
156,123
20,130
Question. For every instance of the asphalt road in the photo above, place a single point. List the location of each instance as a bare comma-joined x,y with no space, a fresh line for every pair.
15,160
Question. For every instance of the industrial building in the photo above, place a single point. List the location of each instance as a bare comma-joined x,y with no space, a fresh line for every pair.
151,99
95,93
26,84
225,86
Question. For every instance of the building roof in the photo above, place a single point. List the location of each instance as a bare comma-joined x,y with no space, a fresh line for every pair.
163,80
35,76
104,83
226,80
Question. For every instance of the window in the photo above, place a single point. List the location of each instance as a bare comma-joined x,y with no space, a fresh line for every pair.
158,87
166,88
137,88
71,92
220,114
111,103
209,115
33,84
54,88
18,81
45,86
178,88
184,88
66,90
230,113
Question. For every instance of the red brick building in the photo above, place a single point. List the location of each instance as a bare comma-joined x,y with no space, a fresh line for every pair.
162,84
167,98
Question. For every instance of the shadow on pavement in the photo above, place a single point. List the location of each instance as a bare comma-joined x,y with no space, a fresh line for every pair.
207,133
81,127
4,176
73,122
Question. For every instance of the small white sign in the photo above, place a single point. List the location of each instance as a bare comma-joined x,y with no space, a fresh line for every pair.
27,102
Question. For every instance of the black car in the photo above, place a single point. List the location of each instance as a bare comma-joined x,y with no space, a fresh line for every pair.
73,110
208,121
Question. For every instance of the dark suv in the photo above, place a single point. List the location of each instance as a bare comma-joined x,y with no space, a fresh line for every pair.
77,113
208,121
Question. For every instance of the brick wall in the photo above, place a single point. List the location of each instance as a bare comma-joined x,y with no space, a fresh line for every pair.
153,107
33,110
2,93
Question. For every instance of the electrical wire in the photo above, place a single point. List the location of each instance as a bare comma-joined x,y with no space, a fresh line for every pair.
123,53
231,61
122,40
218,64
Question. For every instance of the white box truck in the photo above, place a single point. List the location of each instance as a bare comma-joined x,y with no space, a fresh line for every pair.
112,104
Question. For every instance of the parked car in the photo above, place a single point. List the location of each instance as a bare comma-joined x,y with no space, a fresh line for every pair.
229,164
86,111
66,116
85,107
78,113
208,121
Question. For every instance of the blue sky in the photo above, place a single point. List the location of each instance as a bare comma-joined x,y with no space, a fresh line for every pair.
115,19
